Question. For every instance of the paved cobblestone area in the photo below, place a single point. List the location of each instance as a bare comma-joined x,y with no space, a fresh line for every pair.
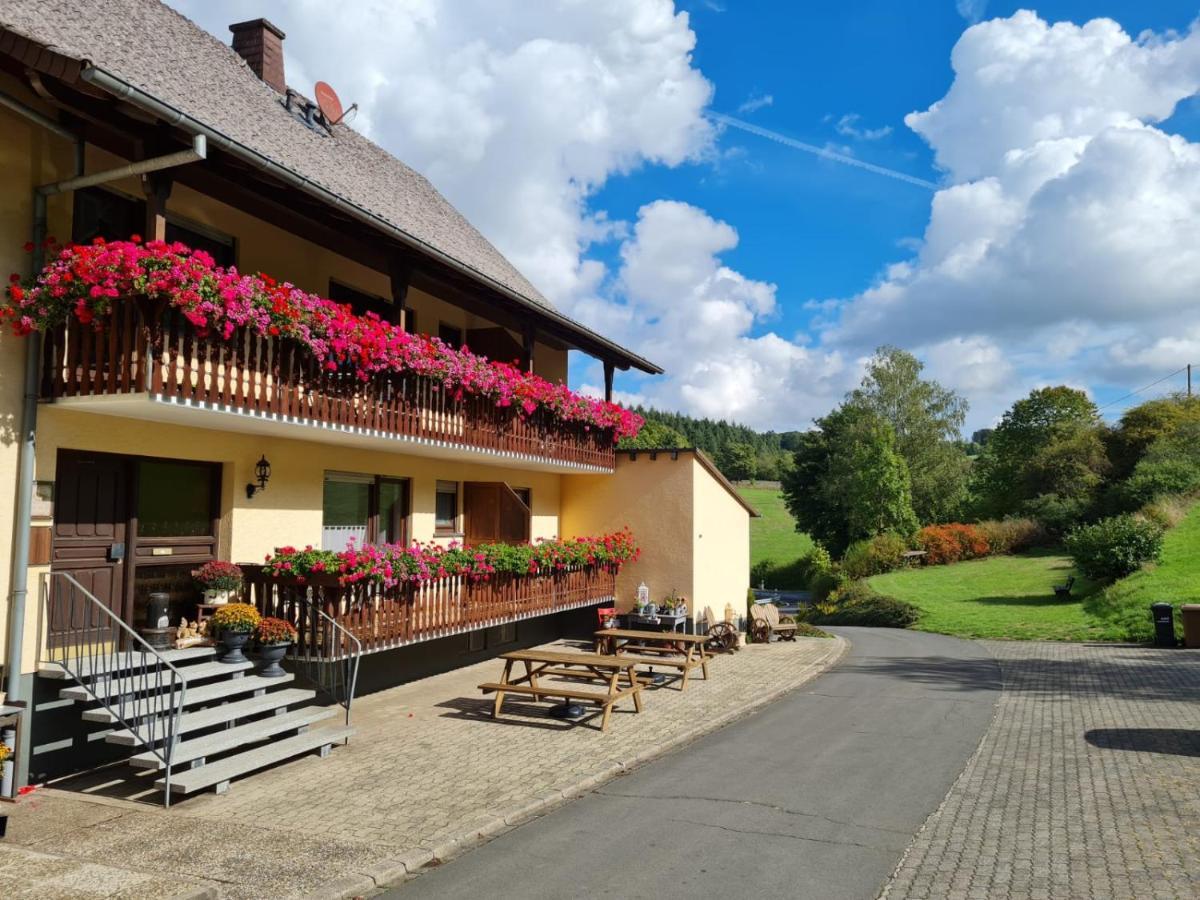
427,770
1086,785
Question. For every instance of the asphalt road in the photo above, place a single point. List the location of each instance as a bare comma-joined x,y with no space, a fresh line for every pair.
816,797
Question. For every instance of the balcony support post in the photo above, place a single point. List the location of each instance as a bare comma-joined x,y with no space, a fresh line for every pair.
157,187
609,371
529,339
400,273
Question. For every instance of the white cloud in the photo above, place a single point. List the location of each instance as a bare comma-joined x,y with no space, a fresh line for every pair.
755,102
1066,244
518,112
971,10
848,126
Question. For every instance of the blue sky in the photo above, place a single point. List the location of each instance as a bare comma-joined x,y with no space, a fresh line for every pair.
1059,244
815,228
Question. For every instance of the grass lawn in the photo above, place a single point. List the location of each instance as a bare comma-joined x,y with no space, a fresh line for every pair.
774,536
1000,597
1175,579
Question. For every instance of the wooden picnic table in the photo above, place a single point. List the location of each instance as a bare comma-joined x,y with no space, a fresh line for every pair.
666,645
607,669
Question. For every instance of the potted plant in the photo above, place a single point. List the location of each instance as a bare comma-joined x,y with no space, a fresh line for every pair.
234,623
219,580
274,636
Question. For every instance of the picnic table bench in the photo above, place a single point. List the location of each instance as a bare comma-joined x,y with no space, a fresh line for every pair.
678,651
568,664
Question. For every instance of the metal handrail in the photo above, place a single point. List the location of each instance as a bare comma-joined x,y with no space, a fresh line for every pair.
95,651
328,660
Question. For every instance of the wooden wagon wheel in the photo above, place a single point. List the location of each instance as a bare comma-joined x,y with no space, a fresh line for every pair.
722,638
761,632
789,634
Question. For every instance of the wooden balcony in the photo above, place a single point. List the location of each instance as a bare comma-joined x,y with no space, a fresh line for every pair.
154,354
383,619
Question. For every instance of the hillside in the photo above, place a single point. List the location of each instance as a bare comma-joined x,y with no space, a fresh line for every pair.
773,538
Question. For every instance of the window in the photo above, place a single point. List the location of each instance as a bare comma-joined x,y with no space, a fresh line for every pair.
446,508
450,335
175,499
107,214
525,495
365,509
345,510
362,302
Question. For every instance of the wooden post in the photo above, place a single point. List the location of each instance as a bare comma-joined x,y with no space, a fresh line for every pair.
530,337
157,187
608,381
401,274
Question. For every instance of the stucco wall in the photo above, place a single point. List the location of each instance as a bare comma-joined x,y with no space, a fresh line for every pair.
721,527
29,156
655,498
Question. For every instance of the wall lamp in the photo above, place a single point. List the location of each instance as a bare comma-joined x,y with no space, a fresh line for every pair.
262,472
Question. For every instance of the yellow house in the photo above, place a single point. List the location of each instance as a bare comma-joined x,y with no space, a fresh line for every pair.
133,453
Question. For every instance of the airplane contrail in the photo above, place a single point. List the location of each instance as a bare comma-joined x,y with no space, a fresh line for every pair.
818,151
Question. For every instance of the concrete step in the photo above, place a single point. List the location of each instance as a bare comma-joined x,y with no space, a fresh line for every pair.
152,681
218,775
205,693
107,663
214,715
232,738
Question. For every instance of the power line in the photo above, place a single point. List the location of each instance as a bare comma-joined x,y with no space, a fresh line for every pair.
819,151
1143,389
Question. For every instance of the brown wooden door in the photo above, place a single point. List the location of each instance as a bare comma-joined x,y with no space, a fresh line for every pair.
90,523
492,512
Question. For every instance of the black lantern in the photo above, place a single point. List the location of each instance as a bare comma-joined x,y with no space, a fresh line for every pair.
262,472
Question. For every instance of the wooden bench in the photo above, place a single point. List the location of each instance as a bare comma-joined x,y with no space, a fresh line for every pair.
563,663
765,622
664,648
722,636
1063,591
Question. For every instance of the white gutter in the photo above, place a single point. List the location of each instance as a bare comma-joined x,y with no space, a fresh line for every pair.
148,103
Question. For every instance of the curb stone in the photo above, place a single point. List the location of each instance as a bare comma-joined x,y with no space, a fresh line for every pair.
483,830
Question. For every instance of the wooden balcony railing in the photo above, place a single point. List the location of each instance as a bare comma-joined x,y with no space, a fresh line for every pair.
383,618
153,349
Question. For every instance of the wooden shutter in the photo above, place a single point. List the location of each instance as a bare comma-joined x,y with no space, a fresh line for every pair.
493,513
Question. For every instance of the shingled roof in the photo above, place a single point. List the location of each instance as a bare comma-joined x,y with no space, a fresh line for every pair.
160,52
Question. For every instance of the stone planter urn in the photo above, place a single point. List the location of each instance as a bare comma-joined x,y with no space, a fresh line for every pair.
270,655
233,642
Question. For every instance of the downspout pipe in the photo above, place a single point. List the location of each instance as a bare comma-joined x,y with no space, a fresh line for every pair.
27,451
150,104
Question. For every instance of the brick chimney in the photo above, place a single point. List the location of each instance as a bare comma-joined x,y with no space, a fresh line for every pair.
260,44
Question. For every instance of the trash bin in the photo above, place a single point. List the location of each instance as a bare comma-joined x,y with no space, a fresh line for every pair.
1191,624
1164,624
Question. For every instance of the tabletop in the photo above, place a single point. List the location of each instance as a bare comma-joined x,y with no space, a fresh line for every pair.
672,637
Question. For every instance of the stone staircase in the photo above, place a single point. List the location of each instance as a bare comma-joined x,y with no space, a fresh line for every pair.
232,722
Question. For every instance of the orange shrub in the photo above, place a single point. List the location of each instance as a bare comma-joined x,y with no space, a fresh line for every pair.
950,543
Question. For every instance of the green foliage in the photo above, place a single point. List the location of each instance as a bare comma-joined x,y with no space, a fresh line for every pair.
1146,425
738,461
774,540
926,419
1013,535
860,604
849,482
1057,514
874,555
1156,478
1125,604
1040,444
655,435
1116,546
804,629
771,450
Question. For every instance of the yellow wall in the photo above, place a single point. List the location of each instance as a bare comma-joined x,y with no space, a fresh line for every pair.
29,156
655,499
721,527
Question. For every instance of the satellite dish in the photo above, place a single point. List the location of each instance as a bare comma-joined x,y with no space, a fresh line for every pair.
330,105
